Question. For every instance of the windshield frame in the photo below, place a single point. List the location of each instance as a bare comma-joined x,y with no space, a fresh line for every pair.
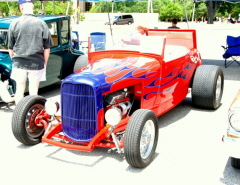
139,43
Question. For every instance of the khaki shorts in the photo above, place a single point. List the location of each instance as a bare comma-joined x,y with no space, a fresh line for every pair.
21,75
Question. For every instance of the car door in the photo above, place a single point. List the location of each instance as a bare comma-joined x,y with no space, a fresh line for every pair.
54,65
120,20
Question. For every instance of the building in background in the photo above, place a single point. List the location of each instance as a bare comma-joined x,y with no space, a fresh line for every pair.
85,6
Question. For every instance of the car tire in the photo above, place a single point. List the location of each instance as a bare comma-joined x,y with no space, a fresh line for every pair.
114,23
235,163
129,23
139,150
207,87
23,120
80,62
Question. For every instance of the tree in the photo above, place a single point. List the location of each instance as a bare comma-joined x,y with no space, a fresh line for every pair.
189,8
123,6
223,8
100,7
229,8
171,11
201,10
11,8
140,7
159,5
212,7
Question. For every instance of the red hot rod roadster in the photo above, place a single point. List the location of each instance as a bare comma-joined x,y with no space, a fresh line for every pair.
115,100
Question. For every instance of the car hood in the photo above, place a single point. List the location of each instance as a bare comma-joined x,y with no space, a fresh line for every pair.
112,73
5,64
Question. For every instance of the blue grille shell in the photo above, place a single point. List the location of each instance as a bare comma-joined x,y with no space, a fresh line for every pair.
78,111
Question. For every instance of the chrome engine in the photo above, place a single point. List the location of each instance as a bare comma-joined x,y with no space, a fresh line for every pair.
119,102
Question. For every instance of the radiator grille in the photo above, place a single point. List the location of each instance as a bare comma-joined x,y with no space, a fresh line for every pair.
78,103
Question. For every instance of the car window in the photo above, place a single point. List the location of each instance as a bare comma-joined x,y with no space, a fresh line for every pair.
64,32
52,26
3,40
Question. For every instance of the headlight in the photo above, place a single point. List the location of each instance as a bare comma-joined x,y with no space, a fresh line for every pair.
234,119
51,107
113,116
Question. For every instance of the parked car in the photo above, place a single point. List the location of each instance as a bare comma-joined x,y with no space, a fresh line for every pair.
232,137
121,19
63,58
115,100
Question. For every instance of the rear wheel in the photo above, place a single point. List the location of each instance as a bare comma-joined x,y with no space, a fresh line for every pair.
129,23
141,138
207,88
80,62
23,120
235,163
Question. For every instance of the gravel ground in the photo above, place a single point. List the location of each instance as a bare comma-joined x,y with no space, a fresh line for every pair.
189,149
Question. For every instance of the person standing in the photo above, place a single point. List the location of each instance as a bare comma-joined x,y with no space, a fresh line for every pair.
174,24
29,42
74,40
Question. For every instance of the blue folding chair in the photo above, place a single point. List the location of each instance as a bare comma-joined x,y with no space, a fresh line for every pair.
232,50
98,40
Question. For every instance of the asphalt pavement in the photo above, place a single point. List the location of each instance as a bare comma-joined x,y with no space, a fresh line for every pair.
189,151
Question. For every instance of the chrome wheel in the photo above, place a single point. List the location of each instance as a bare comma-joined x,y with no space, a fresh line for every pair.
140,140
147,139
218,87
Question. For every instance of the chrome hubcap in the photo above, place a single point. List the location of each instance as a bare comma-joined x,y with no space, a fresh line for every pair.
147,139
218,87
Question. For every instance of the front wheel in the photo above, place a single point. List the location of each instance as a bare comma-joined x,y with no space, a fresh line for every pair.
207,88
141,138
23,120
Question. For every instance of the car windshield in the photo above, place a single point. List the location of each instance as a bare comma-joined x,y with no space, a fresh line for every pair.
114,17
3,40
134,42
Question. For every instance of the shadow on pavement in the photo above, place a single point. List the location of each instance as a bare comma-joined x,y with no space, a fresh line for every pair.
230,73
232,179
